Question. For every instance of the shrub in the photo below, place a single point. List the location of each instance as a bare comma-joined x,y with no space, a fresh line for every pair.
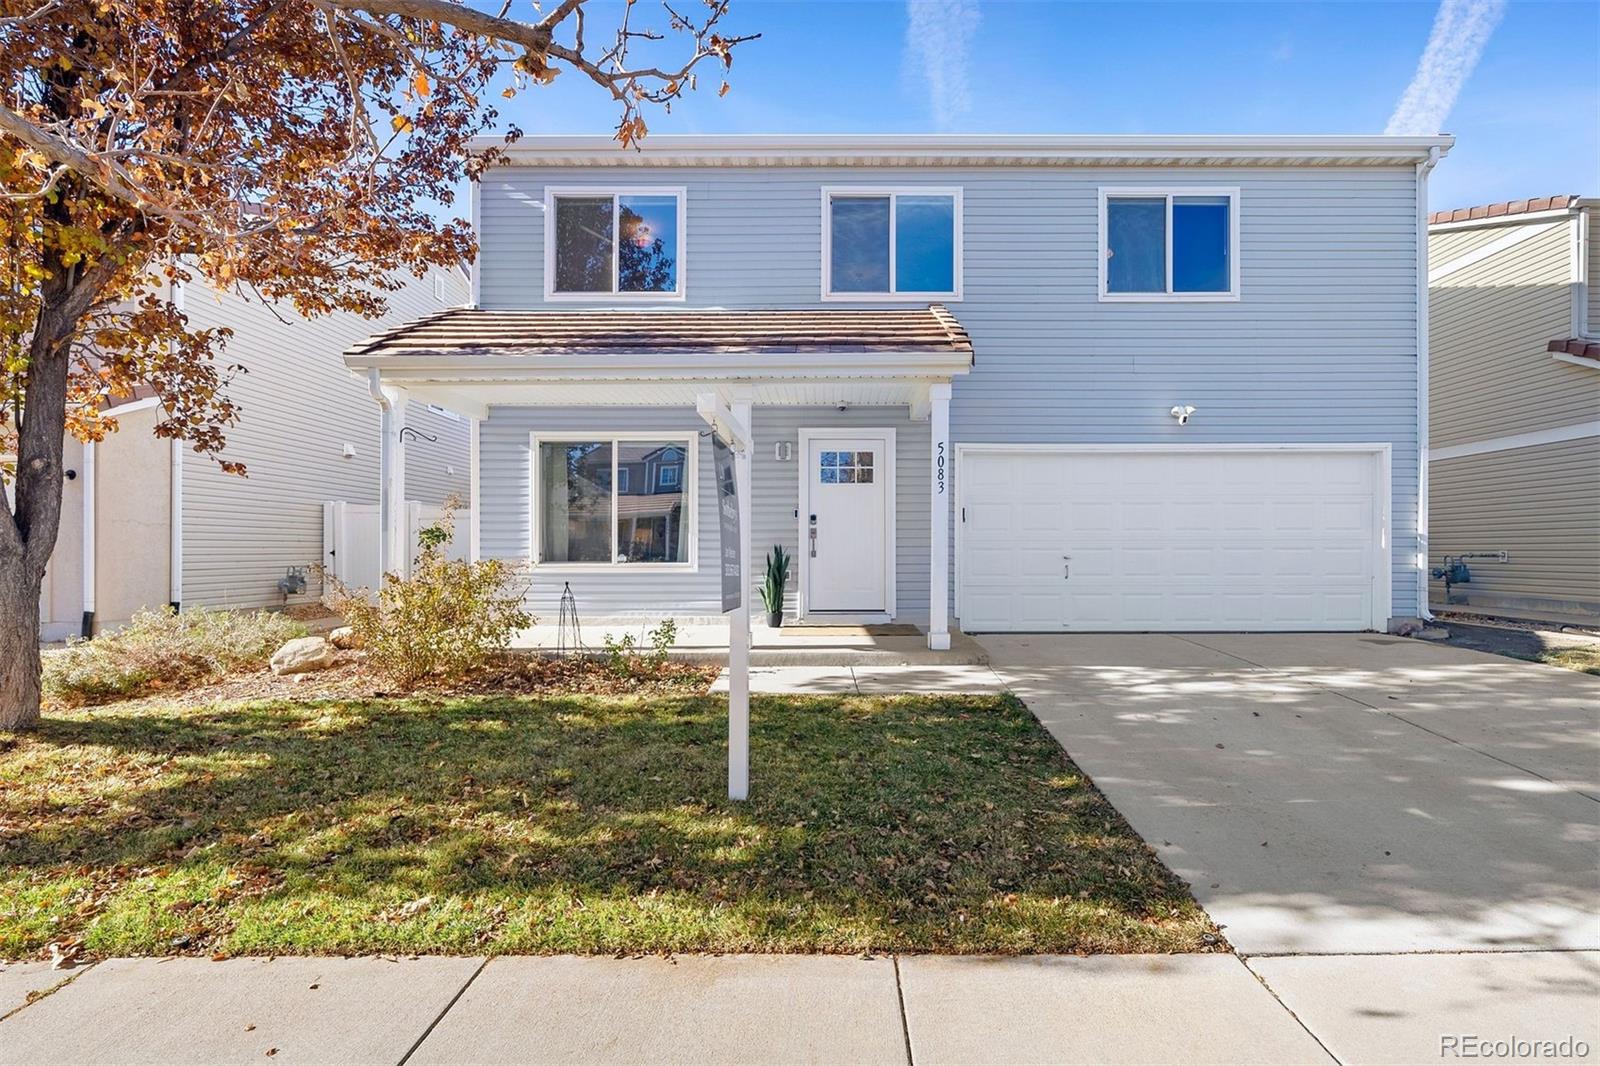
447,619
162,648
623,658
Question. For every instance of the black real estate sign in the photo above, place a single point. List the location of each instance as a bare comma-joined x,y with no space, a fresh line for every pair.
728,520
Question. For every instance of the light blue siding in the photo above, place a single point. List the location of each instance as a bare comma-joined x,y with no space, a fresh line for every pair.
505,485
1321,346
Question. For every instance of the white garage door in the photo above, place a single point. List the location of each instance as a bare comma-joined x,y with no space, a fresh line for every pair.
1164,539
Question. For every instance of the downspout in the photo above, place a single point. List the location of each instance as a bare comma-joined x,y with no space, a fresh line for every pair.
175,499
88,540
1424,168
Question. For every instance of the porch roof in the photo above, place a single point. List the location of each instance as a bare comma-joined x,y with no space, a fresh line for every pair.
467,359
469,336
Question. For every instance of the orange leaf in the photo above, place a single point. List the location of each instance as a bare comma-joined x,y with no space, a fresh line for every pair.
421,84
724,90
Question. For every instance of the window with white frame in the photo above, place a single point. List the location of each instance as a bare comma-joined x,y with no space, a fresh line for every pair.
613,244
595,502
886,243
1169,244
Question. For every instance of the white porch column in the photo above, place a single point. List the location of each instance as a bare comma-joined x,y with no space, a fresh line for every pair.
739,627
939,528
393,553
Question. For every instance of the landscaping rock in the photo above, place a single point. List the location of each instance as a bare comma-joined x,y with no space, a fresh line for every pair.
344,637
1433,633
302,656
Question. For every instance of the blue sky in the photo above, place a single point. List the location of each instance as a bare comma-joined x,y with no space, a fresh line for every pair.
1527,119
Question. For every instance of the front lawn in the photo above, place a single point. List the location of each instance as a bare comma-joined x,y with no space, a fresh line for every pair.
567,824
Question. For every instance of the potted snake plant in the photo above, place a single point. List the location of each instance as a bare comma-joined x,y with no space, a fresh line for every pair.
772,587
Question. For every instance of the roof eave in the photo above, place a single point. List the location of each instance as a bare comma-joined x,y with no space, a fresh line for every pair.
439,366
1085,149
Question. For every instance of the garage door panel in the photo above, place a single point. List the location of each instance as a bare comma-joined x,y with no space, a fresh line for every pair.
1269,539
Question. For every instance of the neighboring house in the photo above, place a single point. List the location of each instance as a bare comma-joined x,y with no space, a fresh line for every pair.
308,435
1515,399
1033,382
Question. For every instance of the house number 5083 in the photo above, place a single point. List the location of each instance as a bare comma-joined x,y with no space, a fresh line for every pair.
938,469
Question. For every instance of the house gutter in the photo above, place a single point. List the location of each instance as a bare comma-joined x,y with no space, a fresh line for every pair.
1424,168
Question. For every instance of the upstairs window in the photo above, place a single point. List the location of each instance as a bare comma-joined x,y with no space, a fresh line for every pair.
891,243
621,245
1169,244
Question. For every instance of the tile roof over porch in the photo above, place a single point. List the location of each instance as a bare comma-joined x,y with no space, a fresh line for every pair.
465,332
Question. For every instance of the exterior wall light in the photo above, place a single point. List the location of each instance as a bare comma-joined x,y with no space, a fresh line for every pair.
1182,413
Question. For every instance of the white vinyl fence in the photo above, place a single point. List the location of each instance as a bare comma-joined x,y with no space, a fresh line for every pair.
350,533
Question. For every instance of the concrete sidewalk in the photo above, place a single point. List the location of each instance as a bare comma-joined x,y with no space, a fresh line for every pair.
797,1008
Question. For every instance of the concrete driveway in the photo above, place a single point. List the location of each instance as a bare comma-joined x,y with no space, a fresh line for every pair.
1340,793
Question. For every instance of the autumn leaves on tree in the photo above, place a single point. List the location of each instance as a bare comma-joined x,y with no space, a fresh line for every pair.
290,149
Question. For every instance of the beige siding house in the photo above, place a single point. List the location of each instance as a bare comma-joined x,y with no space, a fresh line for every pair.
308,435
1514,398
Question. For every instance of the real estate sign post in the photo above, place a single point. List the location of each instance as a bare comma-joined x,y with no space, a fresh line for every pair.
730,452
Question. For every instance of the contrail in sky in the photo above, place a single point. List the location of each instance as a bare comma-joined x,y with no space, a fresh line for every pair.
937,33
1460,30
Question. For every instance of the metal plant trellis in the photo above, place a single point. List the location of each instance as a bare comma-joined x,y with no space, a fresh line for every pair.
569,632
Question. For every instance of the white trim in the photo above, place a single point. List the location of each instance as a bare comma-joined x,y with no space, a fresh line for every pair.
1420,562
1507,240
1580,274
892,192
924,149
691,501
134,405
662,366
175,529
475,271
1501,220
474,477
88,537
1576,360
1556,435
1169,193
1382,526
681,276
803,513
940,470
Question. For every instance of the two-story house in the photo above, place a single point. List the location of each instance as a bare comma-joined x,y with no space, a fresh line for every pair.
1515,396
1022,382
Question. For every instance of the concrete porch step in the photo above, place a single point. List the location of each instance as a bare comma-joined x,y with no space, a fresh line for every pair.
707,642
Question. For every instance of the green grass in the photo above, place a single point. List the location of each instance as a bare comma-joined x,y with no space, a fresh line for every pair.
577,824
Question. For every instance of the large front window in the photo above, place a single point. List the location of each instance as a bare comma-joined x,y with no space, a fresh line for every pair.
609,501
882,243
614,244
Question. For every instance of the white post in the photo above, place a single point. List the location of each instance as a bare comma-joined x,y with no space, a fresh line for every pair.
739,630
939,517
392,550
88,539
175,532
475,501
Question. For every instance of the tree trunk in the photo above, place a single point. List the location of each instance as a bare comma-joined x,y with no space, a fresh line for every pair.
19,645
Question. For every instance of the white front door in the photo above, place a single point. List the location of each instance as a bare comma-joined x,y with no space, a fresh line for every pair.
845,524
